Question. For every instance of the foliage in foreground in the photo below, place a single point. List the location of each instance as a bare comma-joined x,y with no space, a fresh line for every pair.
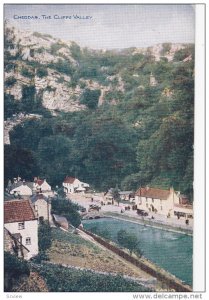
14,268
61,279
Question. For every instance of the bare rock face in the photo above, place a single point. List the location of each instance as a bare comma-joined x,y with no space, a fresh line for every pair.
31,51
61,100
159,50
35,51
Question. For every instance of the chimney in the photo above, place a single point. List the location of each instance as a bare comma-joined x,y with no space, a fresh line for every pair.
147,187
15,180
35,179
171,190
23,181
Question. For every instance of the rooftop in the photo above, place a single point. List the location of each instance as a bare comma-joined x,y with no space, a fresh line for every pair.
153,193
18,211
38,196
39,181
69,179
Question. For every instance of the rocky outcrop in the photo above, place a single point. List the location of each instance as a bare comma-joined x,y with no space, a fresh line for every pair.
159,50
10,123
60,92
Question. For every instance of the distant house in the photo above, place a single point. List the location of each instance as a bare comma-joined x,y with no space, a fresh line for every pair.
126,195
42,206
21,222
42,185
165,202
20,187
73,185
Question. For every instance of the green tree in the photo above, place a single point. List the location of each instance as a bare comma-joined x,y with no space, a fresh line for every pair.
116,195
90,98
44,236
129,241
19,161
41,72
14,268
66,208
54,157
11,106
75,51
30,132
28,98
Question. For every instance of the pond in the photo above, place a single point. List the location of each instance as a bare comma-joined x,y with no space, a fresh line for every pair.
169,250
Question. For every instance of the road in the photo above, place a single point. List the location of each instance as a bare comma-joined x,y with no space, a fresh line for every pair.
86,200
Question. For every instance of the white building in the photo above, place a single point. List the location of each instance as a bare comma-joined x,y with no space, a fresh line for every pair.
42,185
21,221
42,206
21,188
73,185
165,202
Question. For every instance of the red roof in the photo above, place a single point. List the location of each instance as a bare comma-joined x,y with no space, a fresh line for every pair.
18,211
153,193
69,179
39,181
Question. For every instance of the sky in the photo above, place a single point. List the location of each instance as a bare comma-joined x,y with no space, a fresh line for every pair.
108,26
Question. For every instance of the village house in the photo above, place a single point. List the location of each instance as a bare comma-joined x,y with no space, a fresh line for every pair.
165,202
20,187
126,195
21,222
41,185
42,206
73,185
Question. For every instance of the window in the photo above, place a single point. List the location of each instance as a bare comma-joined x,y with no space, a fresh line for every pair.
146,200
152,200
28,241
146,204
21,225
161,208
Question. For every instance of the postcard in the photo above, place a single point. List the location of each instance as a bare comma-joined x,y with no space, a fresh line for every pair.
100,134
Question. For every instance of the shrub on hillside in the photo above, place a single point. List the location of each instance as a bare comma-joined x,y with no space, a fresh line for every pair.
14,269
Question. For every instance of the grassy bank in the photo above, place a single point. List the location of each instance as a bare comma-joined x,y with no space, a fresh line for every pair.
73,250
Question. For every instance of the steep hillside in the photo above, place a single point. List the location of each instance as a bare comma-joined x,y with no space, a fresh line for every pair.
121,117
60,72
